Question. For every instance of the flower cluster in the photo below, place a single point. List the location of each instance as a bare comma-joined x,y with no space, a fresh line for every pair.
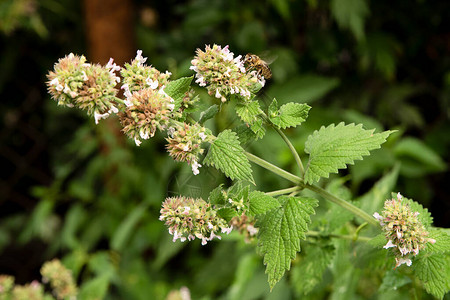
137,76
222,74
403,230
91,87
246,226
60,279
184,144
146,111
189,218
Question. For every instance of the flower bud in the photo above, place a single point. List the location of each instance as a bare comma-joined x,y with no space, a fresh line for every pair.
189,218
405,233
184,144
222,74
75,83
60,279
146,111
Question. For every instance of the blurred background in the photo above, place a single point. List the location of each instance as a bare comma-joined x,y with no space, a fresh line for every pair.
87,195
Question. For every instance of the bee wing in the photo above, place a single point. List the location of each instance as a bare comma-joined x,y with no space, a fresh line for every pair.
268,57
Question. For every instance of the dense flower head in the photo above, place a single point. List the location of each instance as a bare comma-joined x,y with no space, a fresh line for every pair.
405,233
91,87
184,144
146,111
137,76
6,284
31,291
222,74
189,218
60,279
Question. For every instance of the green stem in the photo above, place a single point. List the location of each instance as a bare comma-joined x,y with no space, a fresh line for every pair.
274,169
339,236
299,182
284,191
348,206
293,151
287,141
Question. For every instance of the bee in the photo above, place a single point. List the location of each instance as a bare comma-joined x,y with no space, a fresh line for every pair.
254,62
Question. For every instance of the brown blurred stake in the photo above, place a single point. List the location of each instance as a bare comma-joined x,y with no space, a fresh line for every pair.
109,30
110,33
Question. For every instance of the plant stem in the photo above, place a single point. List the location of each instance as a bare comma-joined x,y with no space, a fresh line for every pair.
284,191
340,236
293,151
287,141
348,206
274,169
300,183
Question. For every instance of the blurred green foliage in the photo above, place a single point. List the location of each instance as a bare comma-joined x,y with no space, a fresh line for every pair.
380,63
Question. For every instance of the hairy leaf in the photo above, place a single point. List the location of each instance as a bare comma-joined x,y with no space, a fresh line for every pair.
177,89
434,272
260,203
288,115
227,155
280,231
258,129
248,111
333,147
442,244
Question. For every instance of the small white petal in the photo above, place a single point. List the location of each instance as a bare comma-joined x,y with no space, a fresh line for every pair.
389,245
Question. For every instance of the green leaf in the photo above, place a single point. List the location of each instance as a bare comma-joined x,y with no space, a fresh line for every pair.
350,14
208,113
258,129
227,213
216,196
289,115
442,239
248,111
127,227
177,90
333,147
280,231
309,272
95,288
227,155
434,272
260,203
424,215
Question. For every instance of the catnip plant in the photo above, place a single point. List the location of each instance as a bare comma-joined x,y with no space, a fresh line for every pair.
275,220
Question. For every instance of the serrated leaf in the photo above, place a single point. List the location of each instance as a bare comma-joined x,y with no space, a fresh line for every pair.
280,231
177,89
208,113
248,111
227,155
442,239
216,196
260,203
332,148
289,115
434,272
258,129
227,213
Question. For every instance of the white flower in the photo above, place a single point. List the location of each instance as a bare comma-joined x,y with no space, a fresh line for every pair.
138,142
55,81
195,166
210,226
218,95
377,216
213,235
202,135
144,134
85,78
252,230
227,230
99,116
389,245
112,66
401,261
139,58
152,83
